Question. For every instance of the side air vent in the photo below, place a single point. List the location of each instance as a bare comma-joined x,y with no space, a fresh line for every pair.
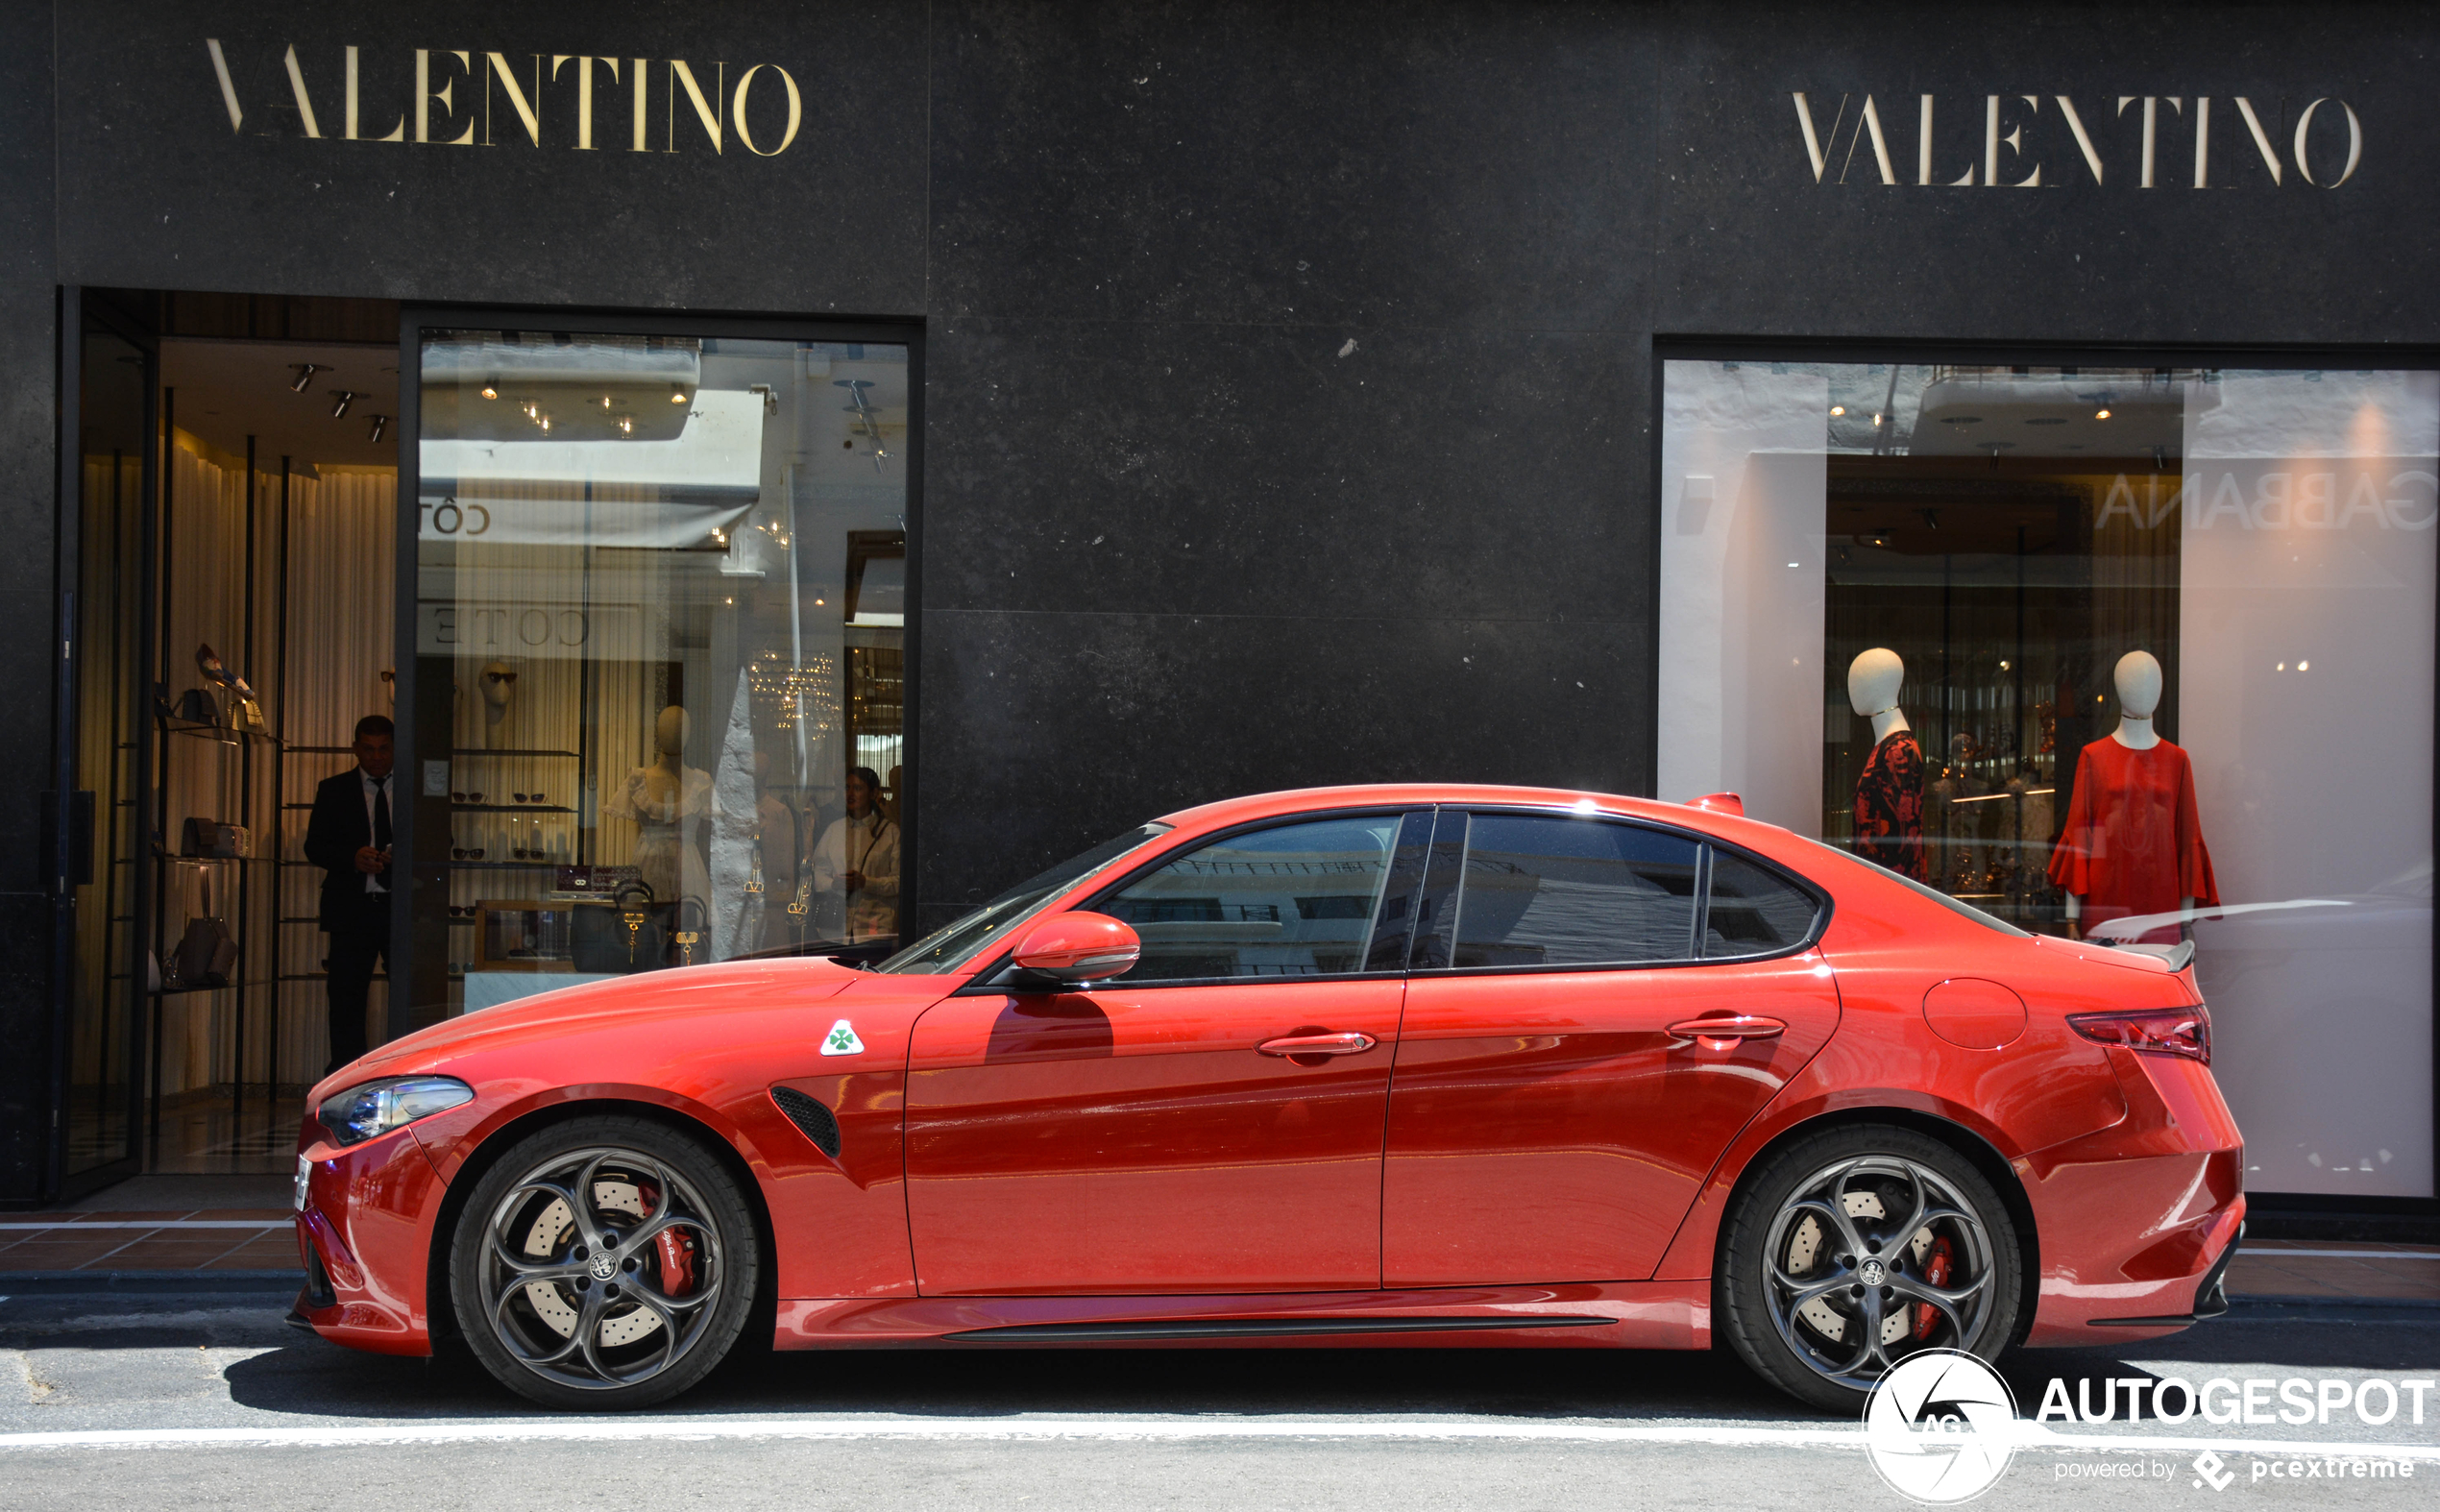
811,1116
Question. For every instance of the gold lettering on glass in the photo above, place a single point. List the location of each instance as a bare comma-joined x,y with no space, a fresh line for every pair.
641,117
584,91
2084,139
2254,128
398,133
2014,142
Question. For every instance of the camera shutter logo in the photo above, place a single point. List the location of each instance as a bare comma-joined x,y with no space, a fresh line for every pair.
1941,1427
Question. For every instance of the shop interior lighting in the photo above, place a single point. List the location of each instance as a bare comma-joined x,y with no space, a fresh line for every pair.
381,423
304,375
626,426
340,402
489,391
2103,413
677,395
1838,409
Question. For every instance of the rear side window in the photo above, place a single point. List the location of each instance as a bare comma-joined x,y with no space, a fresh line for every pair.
1753,912
1295,901
1545,890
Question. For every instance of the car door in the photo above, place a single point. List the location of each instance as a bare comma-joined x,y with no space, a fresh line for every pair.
1548,1122
1209,1122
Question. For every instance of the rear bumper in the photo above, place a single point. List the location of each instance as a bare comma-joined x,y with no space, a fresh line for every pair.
2138,1221
363,1236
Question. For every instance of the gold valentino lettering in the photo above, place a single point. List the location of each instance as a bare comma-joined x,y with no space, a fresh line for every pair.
2010,149
459,97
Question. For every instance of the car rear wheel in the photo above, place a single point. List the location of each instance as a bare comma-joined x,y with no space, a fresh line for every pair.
603,1263
1857,1247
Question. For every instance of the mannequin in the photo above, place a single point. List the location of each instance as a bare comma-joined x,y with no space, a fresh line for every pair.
498,683
667,801
2134,840
1889,797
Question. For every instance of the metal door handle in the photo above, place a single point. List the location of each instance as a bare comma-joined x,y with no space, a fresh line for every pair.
1349,1043
1724,1031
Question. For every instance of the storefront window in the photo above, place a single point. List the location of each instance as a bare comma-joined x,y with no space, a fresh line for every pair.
2133,653
661,613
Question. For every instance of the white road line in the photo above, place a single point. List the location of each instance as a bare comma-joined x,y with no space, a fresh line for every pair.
2030,1435
2260,1254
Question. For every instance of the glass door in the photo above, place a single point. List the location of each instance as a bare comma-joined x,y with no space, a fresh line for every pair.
99,824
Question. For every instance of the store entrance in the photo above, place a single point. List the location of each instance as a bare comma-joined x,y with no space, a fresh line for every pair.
238,545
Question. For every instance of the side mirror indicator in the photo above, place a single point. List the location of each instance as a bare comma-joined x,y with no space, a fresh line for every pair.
1068,949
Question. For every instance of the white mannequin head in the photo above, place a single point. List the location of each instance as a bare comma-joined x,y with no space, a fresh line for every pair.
499,680
1873,679
2138,680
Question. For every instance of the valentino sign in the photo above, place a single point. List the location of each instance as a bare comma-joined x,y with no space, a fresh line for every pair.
460,98
2139,139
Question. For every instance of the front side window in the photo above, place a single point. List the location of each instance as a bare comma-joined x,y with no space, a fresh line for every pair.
1543,889
1295,901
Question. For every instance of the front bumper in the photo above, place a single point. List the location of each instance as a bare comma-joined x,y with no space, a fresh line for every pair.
2139,1220
364,1237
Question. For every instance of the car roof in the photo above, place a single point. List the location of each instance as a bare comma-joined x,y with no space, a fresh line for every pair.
1301,800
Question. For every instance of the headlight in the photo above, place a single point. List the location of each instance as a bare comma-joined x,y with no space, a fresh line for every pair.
360,1113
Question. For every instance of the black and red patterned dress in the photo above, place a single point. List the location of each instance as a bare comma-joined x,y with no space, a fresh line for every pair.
1889,806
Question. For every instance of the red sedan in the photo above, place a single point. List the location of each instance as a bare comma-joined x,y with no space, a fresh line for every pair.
1390,1065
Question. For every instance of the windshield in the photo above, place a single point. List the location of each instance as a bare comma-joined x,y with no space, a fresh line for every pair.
1967,910
954,944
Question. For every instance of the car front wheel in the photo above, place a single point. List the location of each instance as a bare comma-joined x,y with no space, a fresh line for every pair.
1857,1247
603,1263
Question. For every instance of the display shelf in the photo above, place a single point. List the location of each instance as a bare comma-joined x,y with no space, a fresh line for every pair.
320,750
510,808
508,866
470,751
223,734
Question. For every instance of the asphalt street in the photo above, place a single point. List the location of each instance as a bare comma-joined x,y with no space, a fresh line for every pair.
167,1400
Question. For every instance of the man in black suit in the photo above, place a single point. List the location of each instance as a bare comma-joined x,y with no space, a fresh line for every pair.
349,838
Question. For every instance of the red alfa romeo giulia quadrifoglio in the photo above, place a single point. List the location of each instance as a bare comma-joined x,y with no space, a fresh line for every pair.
1393,1066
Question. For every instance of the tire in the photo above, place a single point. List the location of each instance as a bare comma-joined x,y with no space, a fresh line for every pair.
1820,1217
619,1301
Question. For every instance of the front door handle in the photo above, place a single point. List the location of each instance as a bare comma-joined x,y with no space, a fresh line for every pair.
1723,1033
1350,1044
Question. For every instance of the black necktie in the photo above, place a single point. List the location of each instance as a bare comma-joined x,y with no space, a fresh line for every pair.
381,814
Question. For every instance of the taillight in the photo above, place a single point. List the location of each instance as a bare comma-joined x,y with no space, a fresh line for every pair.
2154,1030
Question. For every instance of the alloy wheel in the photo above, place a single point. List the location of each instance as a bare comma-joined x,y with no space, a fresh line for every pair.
1872,1259
600,1268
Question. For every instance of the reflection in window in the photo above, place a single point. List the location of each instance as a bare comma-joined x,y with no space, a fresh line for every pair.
1294,901
1751,911
659,619
1545,890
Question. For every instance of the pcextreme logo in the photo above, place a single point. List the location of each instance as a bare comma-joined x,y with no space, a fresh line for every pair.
2024,134
456,97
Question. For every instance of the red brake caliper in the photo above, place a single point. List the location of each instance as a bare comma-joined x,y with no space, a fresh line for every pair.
1936,1266
677,1262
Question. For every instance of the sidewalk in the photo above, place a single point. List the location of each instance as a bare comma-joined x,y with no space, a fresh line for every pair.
109,1240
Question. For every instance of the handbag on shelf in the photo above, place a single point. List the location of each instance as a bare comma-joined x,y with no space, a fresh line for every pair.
215,838
628,932
197,706
205,957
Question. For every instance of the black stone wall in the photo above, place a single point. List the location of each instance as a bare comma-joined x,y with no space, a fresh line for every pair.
1291,366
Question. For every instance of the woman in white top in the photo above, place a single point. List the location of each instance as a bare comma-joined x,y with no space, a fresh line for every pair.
857,859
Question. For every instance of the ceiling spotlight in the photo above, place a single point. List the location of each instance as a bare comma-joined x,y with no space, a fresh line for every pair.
546,424
677,395
626,426
1838,409
305,372
340,401
2103,413
488,391
605,401
381,423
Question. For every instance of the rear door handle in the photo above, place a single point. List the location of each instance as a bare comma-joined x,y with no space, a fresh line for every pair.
1723,1033
1350,1044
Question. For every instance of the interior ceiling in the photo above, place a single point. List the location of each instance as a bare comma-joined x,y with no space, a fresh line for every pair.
228,390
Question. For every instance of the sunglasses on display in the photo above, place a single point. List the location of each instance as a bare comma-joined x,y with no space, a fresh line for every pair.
466,797
500,676
464,853
462,910
527,798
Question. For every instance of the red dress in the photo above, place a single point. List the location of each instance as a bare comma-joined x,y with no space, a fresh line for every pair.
2132,844
1889,806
